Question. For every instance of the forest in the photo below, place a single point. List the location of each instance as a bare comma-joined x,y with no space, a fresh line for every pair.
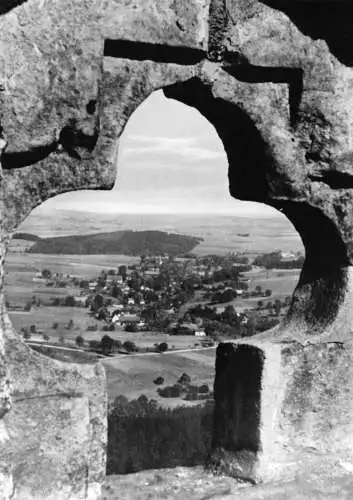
143,435
118,242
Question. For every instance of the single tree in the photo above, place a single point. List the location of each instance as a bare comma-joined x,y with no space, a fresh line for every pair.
26,334
278,306
129,346
79,341
46,273
122,271
97,303
162,347
70,301
106,344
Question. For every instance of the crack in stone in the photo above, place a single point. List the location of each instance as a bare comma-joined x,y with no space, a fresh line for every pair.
54,395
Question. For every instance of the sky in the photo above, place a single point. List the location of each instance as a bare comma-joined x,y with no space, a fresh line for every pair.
171,160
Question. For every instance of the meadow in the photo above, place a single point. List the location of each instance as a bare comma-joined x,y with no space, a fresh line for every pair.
133,375
87,266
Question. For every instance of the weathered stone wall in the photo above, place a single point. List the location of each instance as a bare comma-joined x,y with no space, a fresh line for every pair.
274,78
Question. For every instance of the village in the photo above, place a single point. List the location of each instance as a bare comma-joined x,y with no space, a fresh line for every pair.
209,297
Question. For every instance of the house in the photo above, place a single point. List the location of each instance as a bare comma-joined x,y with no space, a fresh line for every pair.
115,309
152,272
92,285
130,301
129,318
192,327
116,319
287,256
244,319
111,309
81,300
38,277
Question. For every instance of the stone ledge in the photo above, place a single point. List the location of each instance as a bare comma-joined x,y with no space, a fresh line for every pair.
281,406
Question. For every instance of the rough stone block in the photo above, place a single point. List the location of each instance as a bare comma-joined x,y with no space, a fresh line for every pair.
281,407
53,441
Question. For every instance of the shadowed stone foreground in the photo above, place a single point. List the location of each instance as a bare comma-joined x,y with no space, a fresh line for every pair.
279,406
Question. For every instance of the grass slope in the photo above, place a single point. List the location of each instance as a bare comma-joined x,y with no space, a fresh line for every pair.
132,376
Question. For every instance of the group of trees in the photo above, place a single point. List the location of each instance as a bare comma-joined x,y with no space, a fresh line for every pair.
183,388
274,260
28,331
223,296
274,307
227,323
142,435
108,345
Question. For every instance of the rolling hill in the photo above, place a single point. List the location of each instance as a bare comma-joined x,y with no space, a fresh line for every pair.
118,242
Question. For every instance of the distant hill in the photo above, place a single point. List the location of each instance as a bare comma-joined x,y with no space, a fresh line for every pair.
118,242
26,237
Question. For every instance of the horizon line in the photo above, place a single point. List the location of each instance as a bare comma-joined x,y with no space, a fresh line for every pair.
276,213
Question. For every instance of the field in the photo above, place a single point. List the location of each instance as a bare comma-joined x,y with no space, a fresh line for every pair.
281,282
20,288
133,375
87,266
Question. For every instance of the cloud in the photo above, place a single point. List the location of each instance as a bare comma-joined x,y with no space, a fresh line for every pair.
183,147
